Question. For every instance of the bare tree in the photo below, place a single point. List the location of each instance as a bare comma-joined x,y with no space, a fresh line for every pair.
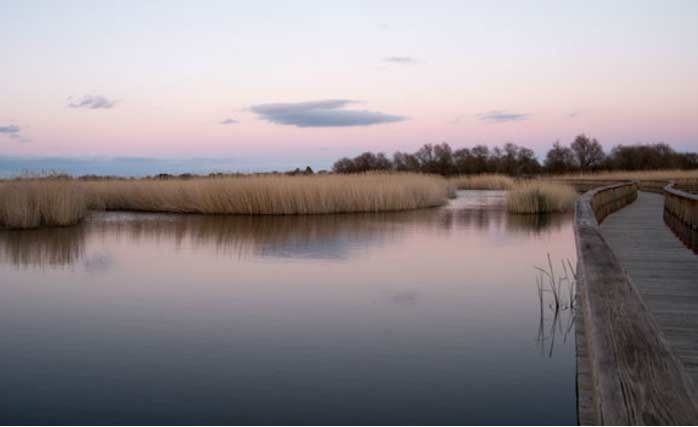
559,159
588,153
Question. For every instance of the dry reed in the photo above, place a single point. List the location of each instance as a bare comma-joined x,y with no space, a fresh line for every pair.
482,182
536,196
32,203
273,195
649,175
35,203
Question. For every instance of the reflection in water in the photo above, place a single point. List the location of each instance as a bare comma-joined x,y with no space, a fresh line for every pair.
307,236
98,263
556,303
43,247
419,317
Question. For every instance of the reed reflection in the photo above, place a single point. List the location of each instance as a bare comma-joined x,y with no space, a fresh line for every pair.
51,247
301,237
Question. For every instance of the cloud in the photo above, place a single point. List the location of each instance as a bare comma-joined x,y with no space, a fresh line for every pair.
498,116
9,130
406,60
573,115
92,102
228,121
323,113
12,132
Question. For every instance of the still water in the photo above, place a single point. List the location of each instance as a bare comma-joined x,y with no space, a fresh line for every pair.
423,317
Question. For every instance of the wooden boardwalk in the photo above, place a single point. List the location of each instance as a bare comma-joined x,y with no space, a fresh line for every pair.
662,269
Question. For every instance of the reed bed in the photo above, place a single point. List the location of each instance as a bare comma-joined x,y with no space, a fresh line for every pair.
273,195
32,203
483,182
537,196
651,175
36,203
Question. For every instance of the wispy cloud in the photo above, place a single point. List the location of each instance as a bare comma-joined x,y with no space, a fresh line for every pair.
499,116
573,115
228,121
92,102
323,113
12,132
9,129
405,60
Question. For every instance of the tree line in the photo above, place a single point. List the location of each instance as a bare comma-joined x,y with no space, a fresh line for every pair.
584,154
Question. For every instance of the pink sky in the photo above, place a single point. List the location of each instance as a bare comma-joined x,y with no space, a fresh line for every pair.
161,80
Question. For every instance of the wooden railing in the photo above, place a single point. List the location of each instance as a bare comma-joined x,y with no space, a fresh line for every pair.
681,212
636,378
681,204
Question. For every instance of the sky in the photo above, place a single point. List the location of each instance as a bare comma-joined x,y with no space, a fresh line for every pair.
276,85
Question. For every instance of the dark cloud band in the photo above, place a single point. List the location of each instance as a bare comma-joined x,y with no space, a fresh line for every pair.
9,129
498,116
323,113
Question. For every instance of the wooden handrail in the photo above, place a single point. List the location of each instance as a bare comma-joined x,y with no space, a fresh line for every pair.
637,379
682,205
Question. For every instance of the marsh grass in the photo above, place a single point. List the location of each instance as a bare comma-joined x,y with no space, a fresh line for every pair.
273,195
31,203
482,182
559,304
538,196
649,175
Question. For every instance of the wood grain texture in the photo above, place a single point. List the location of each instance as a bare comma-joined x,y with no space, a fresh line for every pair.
586,407
664,271
637,378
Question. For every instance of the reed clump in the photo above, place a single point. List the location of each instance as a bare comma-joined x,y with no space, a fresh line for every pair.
483,182
272,195
32,203
537,196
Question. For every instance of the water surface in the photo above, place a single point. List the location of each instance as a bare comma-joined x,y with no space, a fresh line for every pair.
422,317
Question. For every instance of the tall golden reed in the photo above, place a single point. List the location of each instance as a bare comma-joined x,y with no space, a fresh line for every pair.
482,182
45,202
537,196
272,195
649,175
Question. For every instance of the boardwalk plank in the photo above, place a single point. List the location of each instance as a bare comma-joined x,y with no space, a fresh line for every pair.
662,269
636,378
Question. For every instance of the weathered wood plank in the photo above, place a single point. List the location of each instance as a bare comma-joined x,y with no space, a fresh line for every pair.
664,271
586,408
637,379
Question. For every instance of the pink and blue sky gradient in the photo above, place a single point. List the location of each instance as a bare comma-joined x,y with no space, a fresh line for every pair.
305,82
